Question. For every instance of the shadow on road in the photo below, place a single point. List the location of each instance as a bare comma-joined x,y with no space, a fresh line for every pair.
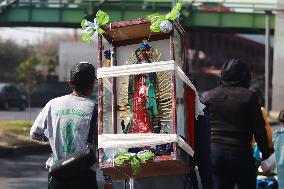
28,172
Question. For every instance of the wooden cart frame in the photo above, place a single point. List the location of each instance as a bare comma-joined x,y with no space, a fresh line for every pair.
133,32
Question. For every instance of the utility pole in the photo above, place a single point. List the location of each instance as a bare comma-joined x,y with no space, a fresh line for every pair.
174,2
267,59
268,14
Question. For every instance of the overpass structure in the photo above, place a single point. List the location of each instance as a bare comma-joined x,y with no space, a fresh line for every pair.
237,15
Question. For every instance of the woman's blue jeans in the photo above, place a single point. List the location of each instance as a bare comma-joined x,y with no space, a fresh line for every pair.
230,169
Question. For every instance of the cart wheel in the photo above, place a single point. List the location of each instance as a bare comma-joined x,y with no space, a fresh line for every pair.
108,182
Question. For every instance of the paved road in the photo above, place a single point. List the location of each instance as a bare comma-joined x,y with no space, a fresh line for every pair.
28,172
25,172
15,114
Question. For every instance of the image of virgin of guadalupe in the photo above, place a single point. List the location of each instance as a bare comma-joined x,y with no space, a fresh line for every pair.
142,100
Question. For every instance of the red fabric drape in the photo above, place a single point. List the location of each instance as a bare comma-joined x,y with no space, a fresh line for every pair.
190,113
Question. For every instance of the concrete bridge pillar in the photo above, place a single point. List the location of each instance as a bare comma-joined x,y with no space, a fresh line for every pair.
278,66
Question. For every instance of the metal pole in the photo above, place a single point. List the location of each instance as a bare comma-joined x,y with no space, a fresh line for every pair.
267,59
174,3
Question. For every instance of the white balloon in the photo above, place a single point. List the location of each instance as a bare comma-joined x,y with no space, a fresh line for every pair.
166,26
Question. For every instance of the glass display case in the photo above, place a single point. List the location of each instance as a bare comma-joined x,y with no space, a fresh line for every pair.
142,114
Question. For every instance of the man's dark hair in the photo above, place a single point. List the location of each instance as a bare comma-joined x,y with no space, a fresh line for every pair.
82,76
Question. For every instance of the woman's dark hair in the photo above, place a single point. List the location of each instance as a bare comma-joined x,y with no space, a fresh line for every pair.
235,73
259,95
82,76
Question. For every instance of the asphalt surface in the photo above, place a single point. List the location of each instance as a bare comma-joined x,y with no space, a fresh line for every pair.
25,172
15,114
28,172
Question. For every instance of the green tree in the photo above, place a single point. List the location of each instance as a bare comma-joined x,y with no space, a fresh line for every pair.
11,55
29,77
47,52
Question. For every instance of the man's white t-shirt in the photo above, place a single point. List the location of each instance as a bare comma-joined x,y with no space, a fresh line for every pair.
65,121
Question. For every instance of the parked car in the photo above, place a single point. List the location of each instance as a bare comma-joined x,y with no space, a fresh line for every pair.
10,96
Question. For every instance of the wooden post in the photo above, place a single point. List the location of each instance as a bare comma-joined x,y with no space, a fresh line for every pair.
172,55
108,184
100,88
114,95
174,116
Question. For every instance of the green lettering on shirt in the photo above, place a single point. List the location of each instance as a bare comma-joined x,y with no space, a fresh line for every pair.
66,112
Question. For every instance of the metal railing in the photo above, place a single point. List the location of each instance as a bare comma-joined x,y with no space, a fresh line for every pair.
238,5
233,5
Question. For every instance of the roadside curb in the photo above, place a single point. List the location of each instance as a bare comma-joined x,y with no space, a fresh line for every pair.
24,150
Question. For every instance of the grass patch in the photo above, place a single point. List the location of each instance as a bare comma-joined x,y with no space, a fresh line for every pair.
19,126
15,133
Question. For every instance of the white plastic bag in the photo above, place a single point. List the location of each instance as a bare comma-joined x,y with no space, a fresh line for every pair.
269,164
279,154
